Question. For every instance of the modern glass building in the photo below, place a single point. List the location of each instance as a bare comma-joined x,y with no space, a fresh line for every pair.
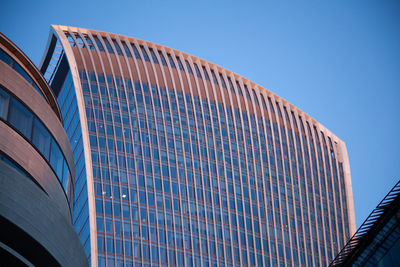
377,241
182,162
36,170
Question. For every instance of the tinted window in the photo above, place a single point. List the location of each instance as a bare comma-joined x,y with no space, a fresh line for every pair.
23,73
145,56
153,55
65,175
56,159
171,61
4,103
6,58
21,118
128,53
99,45
41,138
109,48
116,45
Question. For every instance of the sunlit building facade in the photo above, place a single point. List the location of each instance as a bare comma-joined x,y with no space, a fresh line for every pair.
182,162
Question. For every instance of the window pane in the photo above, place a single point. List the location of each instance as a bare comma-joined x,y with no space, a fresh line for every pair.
65,176
41,138
23,73
21,118
4,102
56,159
5,57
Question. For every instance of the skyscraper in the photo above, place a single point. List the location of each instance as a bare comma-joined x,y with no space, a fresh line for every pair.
182,162
36,170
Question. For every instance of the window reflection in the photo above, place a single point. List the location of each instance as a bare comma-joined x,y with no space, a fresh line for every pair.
4,102
41,138
21,118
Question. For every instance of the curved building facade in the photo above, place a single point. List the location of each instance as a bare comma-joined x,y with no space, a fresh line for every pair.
36,169
182,162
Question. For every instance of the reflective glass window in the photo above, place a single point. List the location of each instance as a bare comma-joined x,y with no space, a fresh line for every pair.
65,175
135,51
128,53
163,61
4,103
153,55
145,56
89,41
21,118
116,45
189,68
41,138
5,57
56,159
109,48
180,63
171,61
99,45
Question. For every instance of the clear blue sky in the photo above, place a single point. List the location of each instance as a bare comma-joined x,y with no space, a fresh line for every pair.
339,61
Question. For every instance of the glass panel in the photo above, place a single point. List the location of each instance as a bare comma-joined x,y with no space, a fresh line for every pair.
21,118
56,159
5,57
65,176
12,164
41,138
99,44
109,48
4,103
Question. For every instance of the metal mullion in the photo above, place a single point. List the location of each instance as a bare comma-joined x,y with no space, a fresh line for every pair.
163,122
339,185
180,126
197,133
212,195
189,135
149,134
304,195
333,229
326,206
90,167
280,152
184,100
261,158
318,152
313,143
129,117
165,134
247,109
297,150
158,143
166,140
112,118
244,109
131,134
266,117
201,167
306,145
335,203
290,169
138,125
236,142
